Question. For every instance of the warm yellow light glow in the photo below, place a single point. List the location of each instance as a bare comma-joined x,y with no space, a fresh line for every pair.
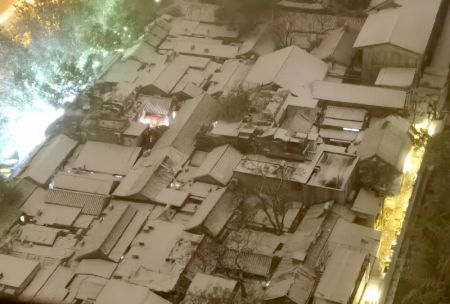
408,164
371,295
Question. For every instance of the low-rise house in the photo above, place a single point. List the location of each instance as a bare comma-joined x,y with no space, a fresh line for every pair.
41,235
218,166
133,136
106,158
118,292
153,172
337,47
290,68
159,268
154,110
397,78
84,182
111,237
344,279
211,288
398,37
214,213
374,99
182,134
334,178
384,150
367,206
50,156
103,130
16,274
91,204
294,287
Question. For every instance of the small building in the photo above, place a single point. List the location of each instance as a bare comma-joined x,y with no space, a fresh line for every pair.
290,68
384,150
50,156
106,158
295,287
344,279
337,47
16,274
159,267
103,130
153,172
397,37
218,166
84,182
396,78
134,134
91,204
182,133
154,110
214,213
376,100
334,178
212,288
119,292
110,239
367,206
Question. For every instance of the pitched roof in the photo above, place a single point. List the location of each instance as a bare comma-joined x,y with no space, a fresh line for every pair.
204,284
102,239
192,116
119,292
290,68
50,156
107,158
16,272
214,212
91,183
409,26
247,262
219,165
143,178
396,77
352,94
367,202
340,278
91,204
387,140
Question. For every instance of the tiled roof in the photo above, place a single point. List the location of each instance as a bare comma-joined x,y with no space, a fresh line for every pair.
91,204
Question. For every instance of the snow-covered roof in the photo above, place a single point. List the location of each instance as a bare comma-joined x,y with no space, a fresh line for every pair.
290,68
388,140
91,183
106,158
352,94
16,272
340,277
49,157
201,48
216,287
183,131
329,44
367,202
119,292
219,165
408,27
396,77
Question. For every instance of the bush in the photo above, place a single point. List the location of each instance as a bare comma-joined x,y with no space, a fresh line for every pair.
8,194
235,105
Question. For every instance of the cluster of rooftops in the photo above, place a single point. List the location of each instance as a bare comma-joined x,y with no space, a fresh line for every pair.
116,212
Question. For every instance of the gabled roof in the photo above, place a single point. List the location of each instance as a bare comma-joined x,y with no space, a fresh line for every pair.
340,278
143,174
218,288
102,239
329,43
16,272
298,286
396,77
182,134
119,292
91,204
408,27
106,158
351,94
214,212
50,156
91,183
219,165
388,140
290,68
